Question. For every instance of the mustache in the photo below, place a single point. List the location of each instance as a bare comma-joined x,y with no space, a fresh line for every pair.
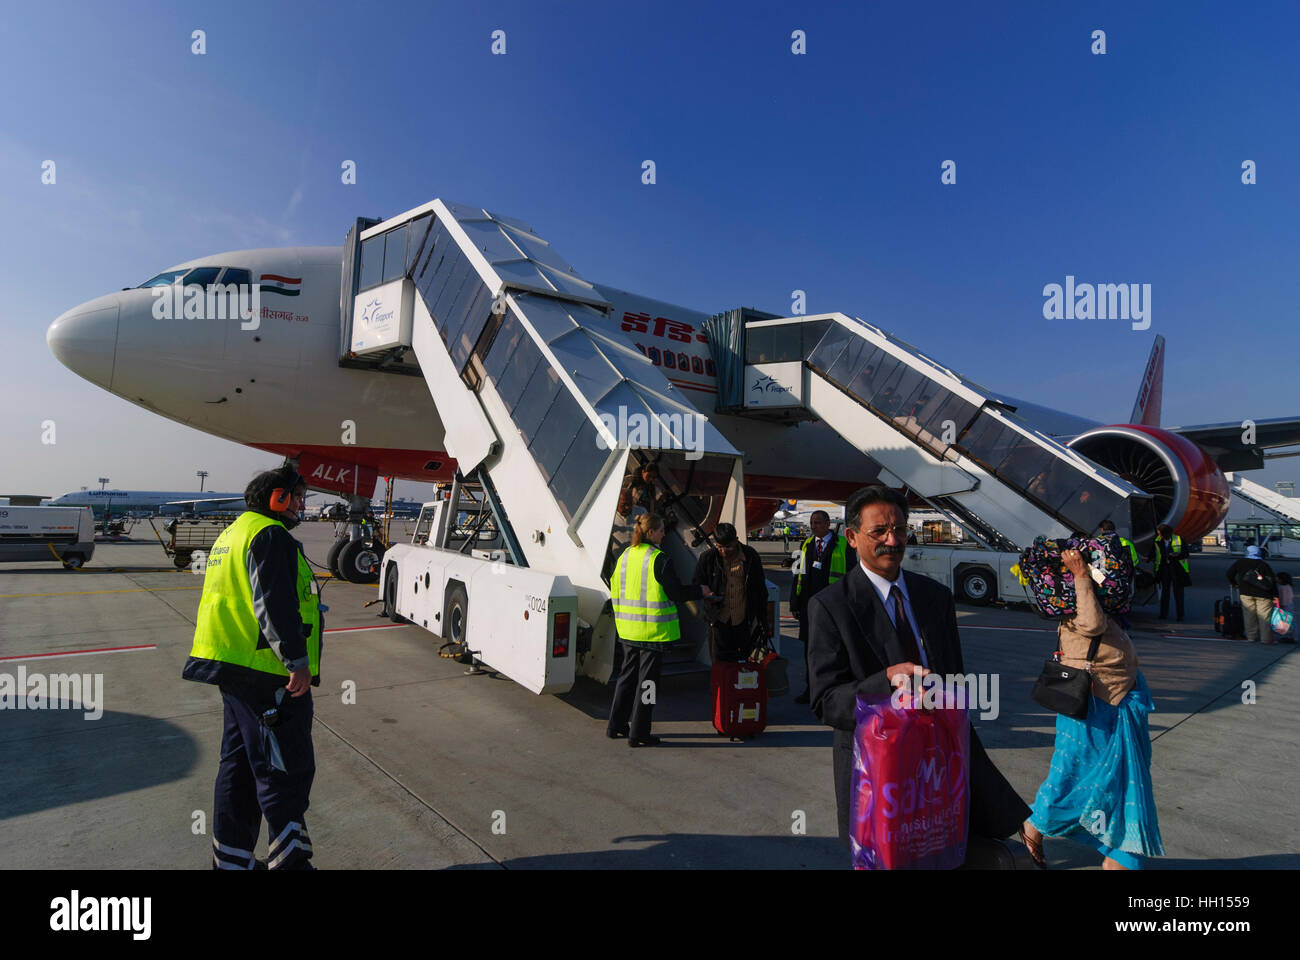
884,550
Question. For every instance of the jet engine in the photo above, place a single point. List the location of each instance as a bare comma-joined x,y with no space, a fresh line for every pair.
759,511
1188,490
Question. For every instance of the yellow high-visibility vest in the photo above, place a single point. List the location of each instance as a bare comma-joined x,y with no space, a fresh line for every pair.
1175,545
839,554
642,611
227,630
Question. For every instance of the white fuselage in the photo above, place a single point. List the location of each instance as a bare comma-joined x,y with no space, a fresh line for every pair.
274,382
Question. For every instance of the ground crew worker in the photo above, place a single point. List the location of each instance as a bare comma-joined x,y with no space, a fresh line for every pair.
258,637
1172,569
1107,529
824,556
645,593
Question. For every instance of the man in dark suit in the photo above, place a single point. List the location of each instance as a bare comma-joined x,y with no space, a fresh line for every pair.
824,558
867,634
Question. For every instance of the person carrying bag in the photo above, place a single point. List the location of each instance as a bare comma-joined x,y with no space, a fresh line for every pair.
1099,790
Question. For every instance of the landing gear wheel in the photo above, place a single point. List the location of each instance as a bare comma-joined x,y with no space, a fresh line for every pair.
73,561
975,586
455,618
332,558
181,559
390,595
358,561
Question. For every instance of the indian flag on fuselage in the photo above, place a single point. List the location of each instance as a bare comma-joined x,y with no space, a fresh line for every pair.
285,286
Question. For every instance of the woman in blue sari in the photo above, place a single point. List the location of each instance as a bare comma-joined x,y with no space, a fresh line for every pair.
1098,791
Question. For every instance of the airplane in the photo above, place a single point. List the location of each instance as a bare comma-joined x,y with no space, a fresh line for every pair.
286,383
150,501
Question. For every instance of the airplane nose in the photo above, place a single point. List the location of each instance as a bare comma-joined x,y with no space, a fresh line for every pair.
85,339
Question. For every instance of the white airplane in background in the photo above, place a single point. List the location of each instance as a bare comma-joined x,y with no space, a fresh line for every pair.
287,387
120,502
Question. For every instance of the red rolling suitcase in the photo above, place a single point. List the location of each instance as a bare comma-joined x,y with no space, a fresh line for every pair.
739,699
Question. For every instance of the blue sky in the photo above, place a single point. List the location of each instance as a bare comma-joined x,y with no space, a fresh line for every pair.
775,172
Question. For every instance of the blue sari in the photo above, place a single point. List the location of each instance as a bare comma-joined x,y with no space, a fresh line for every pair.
1098,791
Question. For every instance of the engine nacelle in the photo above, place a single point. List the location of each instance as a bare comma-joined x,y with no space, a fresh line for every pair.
759,511
1188,490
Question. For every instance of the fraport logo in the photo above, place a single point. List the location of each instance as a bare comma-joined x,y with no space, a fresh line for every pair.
768,385
372,316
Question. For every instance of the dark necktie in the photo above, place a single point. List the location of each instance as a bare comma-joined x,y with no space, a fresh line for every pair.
904,628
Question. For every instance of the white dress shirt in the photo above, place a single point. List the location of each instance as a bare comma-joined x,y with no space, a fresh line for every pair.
820,546
883,587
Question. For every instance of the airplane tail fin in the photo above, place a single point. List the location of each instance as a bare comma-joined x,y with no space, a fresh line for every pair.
1146,409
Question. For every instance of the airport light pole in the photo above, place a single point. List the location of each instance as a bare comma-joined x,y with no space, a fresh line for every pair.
202,475
103,482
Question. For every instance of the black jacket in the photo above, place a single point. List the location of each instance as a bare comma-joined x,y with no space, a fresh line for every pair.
816,580
851,642
711,571
1240,575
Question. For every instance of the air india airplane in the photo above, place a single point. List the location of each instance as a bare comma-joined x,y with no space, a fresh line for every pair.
284,380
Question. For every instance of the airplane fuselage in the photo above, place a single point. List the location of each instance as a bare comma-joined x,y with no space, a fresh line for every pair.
274,382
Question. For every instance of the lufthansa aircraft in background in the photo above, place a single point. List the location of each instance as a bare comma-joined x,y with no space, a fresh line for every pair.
119,502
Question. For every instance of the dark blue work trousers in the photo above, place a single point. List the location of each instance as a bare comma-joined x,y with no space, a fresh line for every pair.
249,788
632,708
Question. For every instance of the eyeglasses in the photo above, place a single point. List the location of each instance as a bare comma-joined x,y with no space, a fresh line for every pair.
879,533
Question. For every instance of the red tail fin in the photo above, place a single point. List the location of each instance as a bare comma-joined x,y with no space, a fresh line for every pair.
1146,409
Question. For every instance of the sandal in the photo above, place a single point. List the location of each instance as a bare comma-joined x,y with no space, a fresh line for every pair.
1035,848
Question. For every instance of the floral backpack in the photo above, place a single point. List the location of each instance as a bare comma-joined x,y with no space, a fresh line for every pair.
1052,586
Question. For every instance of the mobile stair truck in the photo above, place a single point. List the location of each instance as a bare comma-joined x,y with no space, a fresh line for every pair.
547,410
947,440
66,534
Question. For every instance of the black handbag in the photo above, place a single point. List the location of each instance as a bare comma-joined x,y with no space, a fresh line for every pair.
772,664
1066,690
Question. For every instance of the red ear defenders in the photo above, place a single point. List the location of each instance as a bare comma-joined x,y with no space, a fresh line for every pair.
281,496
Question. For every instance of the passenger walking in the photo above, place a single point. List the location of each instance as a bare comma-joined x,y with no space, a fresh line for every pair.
1257,583
1286,600
640,490
870,631
645,592
1098,791
733,572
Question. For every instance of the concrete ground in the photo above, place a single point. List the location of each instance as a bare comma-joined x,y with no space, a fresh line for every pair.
433,768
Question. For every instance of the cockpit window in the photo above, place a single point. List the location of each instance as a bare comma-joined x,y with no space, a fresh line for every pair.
236,275
202,276
164,279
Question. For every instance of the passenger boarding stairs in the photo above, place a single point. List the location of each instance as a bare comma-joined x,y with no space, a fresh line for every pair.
538,392
941,436
1286,509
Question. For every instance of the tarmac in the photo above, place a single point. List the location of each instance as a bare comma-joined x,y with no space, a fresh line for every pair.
433,768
